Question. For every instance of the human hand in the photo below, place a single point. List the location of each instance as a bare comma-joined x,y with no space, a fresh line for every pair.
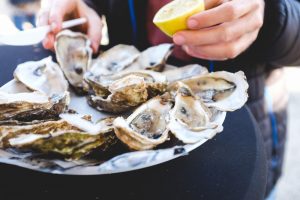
54,12
224,30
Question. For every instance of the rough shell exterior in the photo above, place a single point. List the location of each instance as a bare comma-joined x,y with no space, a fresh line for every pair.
70,140
126,90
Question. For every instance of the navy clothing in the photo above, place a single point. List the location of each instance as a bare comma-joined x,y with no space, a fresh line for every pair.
278,44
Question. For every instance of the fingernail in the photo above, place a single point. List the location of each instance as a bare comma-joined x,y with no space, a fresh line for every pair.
179,40
192,23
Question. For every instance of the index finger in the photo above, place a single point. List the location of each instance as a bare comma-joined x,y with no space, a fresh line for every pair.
225,12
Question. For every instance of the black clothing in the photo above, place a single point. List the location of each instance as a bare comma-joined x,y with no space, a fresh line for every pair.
278,44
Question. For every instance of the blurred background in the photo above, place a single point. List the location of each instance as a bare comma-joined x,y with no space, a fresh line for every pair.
20,14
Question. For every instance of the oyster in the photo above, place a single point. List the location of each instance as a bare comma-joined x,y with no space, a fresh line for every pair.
190,120
114,60
73,137
153,58
119,93
43,76
222,90
26,107
174,74
146,127
74,55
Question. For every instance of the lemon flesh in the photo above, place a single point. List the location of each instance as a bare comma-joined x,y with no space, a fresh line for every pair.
173,17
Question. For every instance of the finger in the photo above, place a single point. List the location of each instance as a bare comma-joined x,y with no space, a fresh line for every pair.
56,15
222,33
94,26
222,51
226,12
43,18
213,3
95,34
48,42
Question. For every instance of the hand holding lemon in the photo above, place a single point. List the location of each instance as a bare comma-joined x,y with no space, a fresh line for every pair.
222,31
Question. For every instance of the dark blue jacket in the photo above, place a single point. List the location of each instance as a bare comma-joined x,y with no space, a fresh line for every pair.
278,44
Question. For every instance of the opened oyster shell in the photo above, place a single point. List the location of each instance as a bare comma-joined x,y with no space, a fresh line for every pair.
146,127
119,93
74,55
73,137
114,60
190,120
20,105
174,74
43,76
153,58
222,90
31,106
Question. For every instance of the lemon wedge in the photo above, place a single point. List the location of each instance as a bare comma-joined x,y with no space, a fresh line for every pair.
173,17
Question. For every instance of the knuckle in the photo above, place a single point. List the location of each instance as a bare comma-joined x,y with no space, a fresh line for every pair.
232,51
231,11
256,4
259,22
225,34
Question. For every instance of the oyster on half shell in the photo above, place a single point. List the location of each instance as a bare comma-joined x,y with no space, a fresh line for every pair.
153,58
222,90
146,127
190,120
114,60
74,55
119,93
72,137
31,106
174,74
128,58
43,76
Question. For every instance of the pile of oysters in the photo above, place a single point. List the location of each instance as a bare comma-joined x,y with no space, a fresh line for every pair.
150,102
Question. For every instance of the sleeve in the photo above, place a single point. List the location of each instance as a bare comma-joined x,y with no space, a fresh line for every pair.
278,42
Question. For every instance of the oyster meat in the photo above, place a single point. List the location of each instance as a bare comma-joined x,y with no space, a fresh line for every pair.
114,60
119,93
190,120
43,76
72,137
146,127
222,90
74,55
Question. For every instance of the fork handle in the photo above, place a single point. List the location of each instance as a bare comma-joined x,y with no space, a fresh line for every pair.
74,22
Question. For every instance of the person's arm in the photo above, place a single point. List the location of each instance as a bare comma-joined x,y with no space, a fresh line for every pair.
279,40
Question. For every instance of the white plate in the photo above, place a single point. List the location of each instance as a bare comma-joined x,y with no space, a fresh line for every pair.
121,163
